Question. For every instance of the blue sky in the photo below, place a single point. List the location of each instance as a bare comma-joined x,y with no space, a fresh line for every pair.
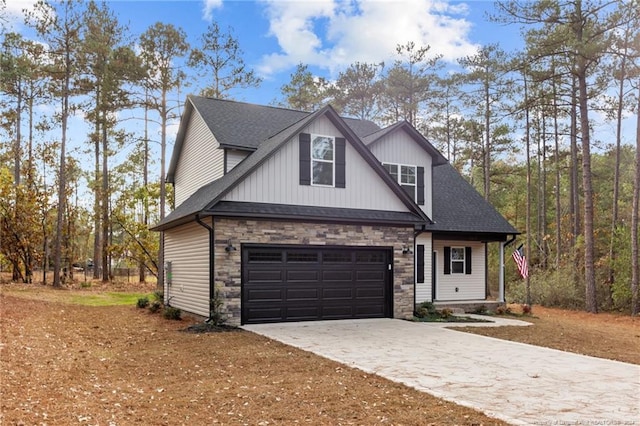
328,35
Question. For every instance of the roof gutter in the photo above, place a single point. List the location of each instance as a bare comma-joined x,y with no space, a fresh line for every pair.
212,285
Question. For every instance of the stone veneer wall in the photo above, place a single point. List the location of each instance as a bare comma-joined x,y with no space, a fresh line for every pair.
228,266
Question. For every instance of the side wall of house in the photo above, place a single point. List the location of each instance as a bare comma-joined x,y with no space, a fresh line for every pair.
451,287
187,286
424,289
228,275
399,148
278,180
201,160
234,157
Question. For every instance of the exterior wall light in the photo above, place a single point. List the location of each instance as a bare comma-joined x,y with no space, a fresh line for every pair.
229,248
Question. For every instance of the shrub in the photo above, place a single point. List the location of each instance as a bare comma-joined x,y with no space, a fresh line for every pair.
143,302
158,296
446,313
561,288
216,314
502,310
424,310
480,310
155,306
172,313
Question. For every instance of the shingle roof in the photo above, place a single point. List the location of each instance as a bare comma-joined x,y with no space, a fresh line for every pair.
259,122
208,195
280,211
458,207
245,126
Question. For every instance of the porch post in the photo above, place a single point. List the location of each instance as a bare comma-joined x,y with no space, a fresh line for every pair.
501,275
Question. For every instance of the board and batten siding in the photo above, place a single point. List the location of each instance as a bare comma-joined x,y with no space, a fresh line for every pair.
201,160
470,287
187,248
423,290
397,147
234,157
277,180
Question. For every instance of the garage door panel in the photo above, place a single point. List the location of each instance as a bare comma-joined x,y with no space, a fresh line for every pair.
301,313
302,276
332,293
265,295
272,314
265,275
370,276
337,312
369,293
294,294
346,276
314,283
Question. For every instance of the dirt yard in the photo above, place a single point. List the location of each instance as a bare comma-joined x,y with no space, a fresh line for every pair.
64,363
603,335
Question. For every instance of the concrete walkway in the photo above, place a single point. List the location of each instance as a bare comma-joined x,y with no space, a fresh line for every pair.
515,382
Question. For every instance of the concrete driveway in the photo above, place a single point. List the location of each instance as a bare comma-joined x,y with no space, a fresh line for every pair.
515,382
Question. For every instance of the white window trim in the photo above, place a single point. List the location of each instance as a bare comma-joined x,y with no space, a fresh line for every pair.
463,260
333,162
399,178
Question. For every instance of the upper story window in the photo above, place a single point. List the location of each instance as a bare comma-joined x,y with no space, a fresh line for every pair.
322,160
405,175
457,260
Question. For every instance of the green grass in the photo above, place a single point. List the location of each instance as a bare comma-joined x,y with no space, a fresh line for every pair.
107,299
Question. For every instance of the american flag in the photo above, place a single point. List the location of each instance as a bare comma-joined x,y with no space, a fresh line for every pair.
521,261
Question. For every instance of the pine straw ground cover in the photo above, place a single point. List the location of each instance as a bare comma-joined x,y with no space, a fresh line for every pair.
603,335
64,363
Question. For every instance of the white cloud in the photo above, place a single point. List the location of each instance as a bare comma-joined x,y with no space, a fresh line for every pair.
335,33
14,13
208,8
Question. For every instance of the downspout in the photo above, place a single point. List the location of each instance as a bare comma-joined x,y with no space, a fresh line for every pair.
212,285
501,293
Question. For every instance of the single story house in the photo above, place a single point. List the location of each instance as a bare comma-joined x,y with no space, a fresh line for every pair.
287,215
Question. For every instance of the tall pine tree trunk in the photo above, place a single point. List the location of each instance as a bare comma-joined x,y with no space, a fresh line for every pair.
635,213
591,301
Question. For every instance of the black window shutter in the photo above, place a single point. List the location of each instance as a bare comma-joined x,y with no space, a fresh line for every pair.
420,186
447,260
340,163
420,263
467,260
305,159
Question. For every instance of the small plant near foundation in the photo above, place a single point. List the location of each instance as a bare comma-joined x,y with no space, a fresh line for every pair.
424,310
158,296
172,313
503,310
155,306
446,313
427,312
142,302
216,315
480,310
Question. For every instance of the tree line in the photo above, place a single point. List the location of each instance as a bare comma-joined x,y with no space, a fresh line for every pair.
518,125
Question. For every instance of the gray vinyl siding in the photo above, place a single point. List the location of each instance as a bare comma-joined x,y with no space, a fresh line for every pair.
423,290
397,147
234,157
201,160
277,180
187,248
470,287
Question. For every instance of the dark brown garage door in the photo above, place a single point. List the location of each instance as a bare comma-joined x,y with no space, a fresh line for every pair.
301,283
